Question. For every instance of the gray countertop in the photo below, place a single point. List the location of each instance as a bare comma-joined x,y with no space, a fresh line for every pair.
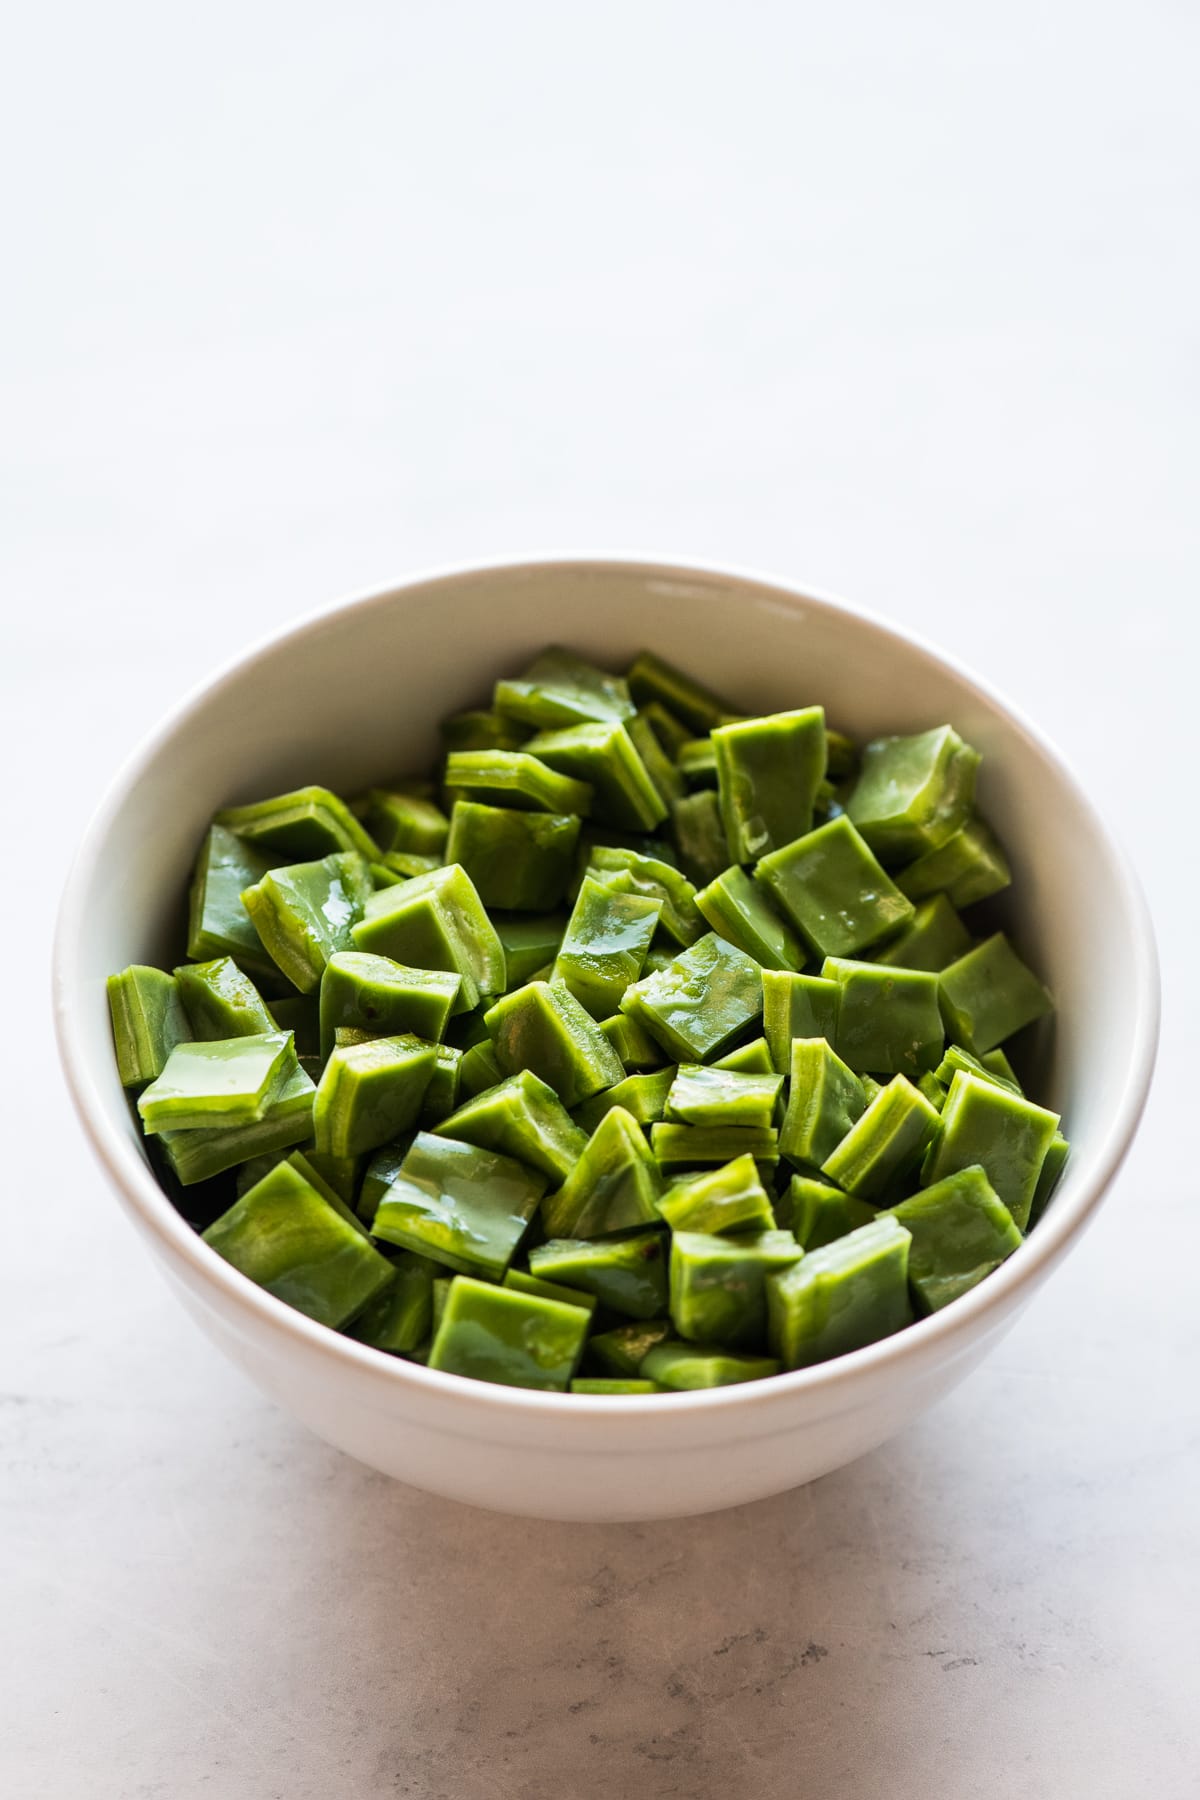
902,306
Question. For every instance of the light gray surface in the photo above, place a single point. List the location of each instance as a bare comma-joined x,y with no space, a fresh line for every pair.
896,301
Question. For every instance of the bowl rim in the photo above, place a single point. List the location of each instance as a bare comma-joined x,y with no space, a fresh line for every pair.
962,1321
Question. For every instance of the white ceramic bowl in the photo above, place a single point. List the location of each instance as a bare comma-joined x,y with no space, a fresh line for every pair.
356,693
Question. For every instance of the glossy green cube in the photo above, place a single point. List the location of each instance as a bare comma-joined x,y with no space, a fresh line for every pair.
697,760
306,911
605,756
627,1274
483,729
218,923
351,1034
406,824
699,833
543,1027
614,1186
401,1317
478,1071
221,1001
936,938
381,1170
728,1198
518,860
698,1004
660,956
961,1230
382,876
523,1117
442,1094
848,1294
654,879
286,1237
1053,1164
385,998
346,1035
441,1294
652,678
402,865
637,1050
605,943
700,1146
817,1213
549,1290
1005,1134
681,1367
217,1083
307,825
198,1154
437,921
370,1092
665,777
834,890
797,1006
334,1176
619,1352
824,1100
740,911
932,1089
561,689
148,1020
718,1284
768,773
644,1097
464,1207
671,731
753,1058
913,793
957,1058
250,1173
968,867
998,1065
399,867
889,1020
601,1386
885,1142
989,994
712,1096
497,1334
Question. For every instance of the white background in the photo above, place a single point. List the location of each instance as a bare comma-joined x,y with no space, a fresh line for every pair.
899,301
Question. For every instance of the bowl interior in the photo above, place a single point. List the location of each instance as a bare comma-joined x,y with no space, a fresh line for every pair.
357,695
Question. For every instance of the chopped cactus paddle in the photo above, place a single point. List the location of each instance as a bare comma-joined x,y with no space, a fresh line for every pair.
638,1045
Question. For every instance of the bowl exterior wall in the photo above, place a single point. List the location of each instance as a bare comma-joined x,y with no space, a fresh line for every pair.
607,1485
613,1468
